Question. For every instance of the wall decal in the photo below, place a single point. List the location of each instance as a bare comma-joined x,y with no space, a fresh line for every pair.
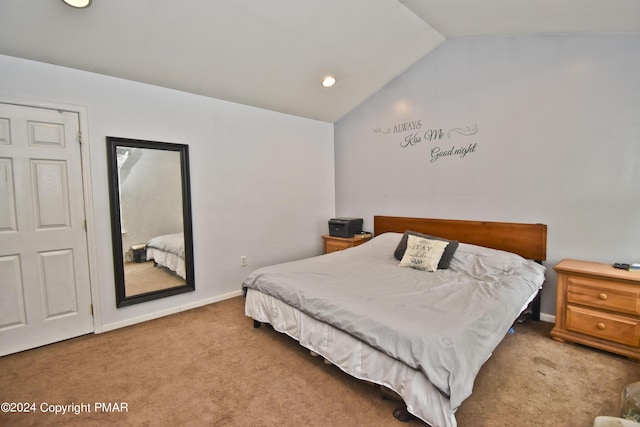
412,134
469,130
437,152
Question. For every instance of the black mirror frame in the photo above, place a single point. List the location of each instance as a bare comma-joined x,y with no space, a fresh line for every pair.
116,237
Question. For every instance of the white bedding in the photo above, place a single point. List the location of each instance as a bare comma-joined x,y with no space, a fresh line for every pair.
354,357
436,328
168,250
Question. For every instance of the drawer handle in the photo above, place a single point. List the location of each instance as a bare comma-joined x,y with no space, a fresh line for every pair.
603,297
601,326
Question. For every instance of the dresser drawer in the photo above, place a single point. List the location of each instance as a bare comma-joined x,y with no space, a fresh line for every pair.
335,246
620,329
621,297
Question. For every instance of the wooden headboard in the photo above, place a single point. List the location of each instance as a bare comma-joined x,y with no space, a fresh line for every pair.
527,240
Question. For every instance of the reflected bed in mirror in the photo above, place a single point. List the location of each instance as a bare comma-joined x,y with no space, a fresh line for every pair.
150,219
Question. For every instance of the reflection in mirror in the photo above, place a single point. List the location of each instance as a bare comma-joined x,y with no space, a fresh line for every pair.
150,219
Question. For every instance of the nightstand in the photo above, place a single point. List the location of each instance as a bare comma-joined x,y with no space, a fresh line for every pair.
598,306
334,244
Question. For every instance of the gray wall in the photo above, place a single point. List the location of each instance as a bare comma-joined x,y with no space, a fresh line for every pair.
552,128
150,196
261,182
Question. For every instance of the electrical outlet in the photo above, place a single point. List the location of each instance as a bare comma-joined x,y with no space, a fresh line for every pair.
243,260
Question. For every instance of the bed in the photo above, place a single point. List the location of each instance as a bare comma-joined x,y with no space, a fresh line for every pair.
168,251
422,334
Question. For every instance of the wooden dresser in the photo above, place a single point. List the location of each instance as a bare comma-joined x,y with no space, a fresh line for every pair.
334,244
599,306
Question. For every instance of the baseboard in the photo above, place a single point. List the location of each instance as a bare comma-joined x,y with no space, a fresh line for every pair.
155,315
167,312
547,318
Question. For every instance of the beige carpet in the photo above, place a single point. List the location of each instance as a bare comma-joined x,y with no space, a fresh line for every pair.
210,367
143,277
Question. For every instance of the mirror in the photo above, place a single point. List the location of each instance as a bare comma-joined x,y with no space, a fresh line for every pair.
150,219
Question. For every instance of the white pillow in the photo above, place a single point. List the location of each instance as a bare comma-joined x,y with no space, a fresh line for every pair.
423,254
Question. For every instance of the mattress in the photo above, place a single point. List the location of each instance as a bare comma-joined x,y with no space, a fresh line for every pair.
354,357
168,251
434,329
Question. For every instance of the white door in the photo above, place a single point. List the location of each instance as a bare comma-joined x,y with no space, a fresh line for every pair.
45,292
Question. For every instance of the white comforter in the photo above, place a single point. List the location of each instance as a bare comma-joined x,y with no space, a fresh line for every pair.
168,251
445,324
172,243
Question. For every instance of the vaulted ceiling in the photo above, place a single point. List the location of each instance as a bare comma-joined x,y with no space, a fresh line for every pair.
273,53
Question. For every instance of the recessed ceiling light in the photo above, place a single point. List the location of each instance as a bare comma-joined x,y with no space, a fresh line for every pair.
78,3
328,81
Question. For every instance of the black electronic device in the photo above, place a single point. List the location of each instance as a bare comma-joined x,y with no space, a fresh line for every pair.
345,227
621,265
139,252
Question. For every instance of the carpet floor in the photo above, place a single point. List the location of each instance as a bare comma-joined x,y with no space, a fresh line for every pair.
210,367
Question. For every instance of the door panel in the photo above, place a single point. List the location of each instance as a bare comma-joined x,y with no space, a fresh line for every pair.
46,134
56,274
7,195
4,131
44,272
50,193
12,301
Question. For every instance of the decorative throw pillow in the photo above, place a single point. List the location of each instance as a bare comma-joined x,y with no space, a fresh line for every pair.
446,257
423,254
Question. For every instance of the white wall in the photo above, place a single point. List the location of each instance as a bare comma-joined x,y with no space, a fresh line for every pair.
262,182
557,142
